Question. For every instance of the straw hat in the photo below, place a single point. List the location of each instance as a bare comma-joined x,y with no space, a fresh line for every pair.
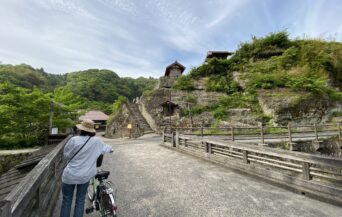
87,125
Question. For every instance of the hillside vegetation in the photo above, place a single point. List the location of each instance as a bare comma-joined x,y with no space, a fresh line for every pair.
26,95
274,66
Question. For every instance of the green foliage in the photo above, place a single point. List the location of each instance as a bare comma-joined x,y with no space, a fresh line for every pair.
95,85
26,95
24,116
191,99
106,86
66,105
184,83
27,77
213,67
237,100
271,45
118,103
222,84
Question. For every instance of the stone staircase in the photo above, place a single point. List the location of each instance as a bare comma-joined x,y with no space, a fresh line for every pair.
139,119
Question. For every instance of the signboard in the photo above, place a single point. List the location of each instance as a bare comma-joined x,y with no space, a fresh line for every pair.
54,131
129,126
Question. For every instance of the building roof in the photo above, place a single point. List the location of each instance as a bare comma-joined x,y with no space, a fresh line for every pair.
174,65
94,115
217,54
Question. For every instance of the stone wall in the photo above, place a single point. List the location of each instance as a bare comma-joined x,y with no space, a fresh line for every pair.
329,147
297,107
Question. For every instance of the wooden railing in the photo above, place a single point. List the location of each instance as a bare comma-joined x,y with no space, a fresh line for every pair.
37,194
289,133
314,175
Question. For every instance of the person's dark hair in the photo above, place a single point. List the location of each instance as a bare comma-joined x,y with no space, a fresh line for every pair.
86,133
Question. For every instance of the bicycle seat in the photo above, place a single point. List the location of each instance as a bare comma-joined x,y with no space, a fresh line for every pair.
102,175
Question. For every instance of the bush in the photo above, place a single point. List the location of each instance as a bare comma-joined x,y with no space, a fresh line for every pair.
184,83
221,84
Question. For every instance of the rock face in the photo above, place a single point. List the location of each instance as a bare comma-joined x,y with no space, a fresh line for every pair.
118,126
286,106
153,111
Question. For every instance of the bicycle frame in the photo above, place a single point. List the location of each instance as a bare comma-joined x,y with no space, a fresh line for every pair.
102,196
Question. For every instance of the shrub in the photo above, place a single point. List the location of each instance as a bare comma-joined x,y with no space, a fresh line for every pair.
184,83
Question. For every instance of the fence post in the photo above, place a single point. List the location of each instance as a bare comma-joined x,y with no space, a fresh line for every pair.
232,133
245,156
262,134
177,138
290,134
316,133
306,171
339,130
163,136
202,130
208,148
173,140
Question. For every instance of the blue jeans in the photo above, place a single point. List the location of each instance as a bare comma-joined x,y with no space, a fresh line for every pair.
68,193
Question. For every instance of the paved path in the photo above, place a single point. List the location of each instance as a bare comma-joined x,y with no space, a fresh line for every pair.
155,181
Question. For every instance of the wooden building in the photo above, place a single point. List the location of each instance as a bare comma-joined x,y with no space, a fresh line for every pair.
169,108
217,54
99,118
174,70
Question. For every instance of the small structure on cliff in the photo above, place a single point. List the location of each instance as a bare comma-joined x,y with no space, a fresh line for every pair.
169,108
217,54
174,70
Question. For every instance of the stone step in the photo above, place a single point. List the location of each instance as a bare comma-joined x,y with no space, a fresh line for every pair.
138,118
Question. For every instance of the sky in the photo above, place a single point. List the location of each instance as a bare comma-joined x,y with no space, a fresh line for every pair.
141,37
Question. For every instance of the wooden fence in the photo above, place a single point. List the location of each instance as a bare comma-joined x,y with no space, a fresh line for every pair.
289,133
314,175
37,194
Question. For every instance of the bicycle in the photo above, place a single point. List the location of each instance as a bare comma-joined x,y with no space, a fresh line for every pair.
102,195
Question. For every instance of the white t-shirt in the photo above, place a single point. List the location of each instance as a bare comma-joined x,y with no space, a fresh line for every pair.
83,166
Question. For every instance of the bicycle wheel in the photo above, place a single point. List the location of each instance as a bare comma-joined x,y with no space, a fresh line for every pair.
91,189
107,205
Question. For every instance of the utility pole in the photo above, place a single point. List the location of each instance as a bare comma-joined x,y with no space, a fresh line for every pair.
51,117
190,117
170,112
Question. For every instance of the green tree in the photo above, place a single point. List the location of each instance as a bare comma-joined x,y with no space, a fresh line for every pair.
24,116
66,105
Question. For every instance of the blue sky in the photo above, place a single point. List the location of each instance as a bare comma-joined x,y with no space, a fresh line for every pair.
141,37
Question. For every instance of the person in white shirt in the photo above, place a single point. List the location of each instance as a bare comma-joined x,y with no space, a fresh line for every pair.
81,153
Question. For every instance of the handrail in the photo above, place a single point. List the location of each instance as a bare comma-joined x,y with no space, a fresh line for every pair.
37,193
317,175
316,131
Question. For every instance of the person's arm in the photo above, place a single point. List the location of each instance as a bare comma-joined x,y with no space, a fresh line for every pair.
104,148
68,149
107,149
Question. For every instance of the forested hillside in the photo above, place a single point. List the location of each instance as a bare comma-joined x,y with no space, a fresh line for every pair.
27,96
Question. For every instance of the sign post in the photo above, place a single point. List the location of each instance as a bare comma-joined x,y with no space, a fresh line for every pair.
129,127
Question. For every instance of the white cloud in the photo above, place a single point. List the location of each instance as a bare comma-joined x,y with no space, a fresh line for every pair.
140,38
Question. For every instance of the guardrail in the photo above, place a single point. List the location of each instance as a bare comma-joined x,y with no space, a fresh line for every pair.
261,133
314,175
37,194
